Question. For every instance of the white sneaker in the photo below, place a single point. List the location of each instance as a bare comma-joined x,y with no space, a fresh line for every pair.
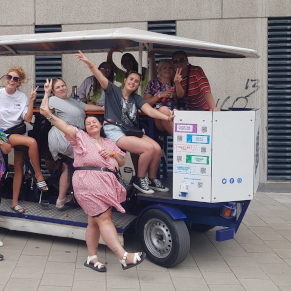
1,243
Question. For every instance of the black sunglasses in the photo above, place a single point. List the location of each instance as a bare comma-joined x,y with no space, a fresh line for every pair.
105,69
181,61
15,79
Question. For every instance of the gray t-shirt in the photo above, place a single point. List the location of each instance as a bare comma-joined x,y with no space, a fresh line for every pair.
120,109
71,111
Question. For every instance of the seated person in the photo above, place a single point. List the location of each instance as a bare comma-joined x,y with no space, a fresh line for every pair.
91,90
15,108
122,105
163,93
195,84
129,63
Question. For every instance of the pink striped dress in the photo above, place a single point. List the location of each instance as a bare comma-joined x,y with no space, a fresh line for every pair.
95,191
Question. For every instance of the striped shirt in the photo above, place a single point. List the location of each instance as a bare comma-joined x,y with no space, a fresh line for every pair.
198,86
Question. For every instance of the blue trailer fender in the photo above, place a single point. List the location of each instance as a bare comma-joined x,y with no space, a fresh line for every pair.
174,213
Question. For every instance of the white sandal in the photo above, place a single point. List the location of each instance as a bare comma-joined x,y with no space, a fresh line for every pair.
60,203
136,260
1,243
99,267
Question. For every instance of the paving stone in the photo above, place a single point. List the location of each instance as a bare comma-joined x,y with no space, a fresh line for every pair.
36,249
122,282
278,244
89,275
275,268
218,278
281,280
53,288
256,248
152,276
190,284
226,288
89,285
32,261
184,272
11,254
59,268
257,284
241,262
60,280
266,258
213,266
63,256
156,287
23,284
249,273
27,272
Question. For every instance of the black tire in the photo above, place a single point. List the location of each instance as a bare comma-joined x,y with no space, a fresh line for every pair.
165,241
200,227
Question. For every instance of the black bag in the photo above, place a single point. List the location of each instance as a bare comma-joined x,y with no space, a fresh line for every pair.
16,129
128,130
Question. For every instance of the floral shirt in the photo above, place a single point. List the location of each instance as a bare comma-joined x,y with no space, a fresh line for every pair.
2,163
155,87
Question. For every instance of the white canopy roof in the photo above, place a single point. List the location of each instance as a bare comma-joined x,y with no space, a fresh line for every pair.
102,40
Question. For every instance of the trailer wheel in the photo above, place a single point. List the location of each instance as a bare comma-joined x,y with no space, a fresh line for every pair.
165,241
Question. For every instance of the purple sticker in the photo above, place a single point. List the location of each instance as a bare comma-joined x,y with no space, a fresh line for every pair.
185,127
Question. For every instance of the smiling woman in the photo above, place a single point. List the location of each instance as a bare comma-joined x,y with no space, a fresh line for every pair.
15,108
121,108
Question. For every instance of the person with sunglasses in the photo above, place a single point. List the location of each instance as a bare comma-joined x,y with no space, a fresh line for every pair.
73,112
129,63
15,108
121,106
197,92
91,91
163,93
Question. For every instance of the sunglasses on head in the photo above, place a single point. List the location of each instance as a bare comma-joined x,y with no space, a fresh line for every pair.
181,61
15,79
105,69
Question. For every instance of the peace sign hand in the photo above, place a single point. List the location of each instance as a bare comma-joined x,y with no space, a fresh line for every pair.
33,93
48,86
178,76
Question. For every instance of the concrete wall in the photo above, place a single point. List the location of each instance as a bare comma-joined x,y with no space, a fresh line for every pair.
239,23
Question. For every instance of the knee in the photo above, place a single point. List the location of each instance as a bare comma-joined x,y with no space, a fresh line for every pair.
18,166
32,143
165,110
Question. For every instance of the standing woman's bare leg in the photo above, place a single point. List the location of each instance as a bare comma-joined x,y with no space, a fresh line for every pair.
110,237
18,175
64,185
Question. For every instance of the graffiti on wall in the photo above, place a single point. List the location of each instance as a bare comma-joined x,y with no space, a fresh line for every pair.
252,86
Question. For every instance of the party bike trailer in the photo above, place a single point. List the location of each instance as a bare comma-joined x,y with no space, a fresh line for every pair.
215,155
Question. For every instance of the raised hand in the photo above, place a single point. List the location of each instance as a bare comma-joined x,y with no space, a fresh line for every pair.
48,86
81,57
33,93
44,107
178,77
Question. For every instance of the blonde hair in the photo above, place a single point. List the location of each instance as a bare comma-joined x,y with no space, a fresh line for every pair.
19,71
162,62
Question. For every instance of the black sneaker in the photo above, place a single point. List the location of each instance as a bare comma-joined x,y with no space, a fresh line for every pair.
141,185
155,184
1,257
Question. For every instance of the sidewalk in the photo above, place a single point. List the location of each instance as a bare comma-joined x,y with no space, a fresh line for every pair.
258,259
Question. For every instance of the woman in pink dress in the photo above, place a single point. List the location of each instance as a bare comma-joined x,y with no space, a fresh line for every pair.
96,190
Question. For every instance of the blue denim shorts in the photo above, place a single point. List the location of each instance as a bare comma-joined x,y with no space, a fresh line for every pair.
113,132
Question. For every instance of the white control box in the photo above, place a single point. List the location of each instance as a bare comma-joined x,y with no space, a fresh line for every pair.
216,155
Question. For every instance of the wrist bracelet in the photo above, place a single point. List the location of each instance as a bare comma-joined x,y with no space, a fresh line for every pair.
91,67
49,118
157,97
115,155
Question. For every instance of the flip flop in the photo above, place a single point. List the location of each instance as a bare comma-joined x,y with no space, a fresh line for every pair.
17,208
97,266
136,260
